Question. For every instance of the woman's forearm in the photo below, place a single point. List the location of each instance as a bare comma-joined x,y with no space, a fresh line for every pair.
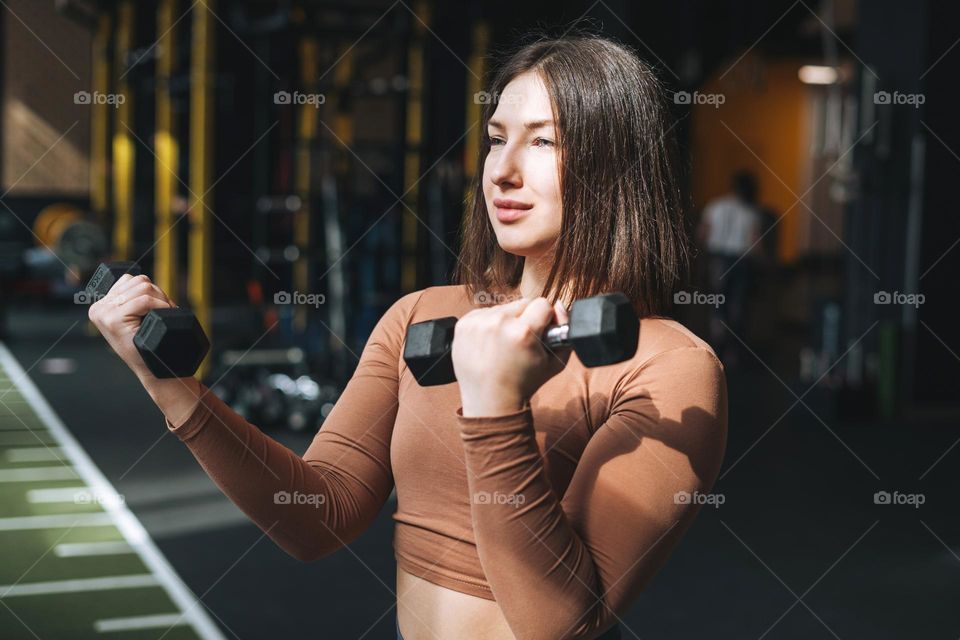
310,508
176,398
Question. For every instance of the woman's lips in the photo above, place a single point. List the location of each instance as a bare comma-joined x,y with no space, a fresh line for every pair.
509,215
510,210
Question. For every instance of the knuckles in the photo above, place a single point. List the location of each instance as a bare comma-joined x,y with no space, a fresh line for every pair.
519,334
542,304
139,289
501,322
108,317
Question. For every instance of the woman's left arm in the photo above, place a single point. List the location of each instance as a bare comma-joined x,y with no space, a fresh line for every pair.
569,567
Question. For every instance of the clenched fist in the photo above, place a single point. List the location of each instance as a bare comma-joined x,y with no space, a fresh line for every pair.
499,356
118,315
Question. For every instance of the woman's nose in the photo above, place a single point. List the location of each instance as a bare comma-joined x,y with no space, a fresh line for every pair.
506,169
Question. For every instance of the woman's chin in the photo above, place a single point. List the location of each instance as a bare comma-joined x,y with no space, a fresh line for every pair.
520,242
524,250
517,248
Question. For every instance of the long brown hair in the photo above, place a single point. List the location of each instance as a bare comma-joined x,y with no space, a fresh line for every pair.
622,226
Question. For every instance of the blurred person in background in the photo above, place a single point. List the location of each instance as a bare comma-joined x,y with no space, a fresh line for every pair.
729,229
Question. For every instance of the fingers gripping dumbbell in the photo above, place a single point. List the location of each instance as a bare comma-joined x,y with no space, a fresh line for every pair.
170,341
602,330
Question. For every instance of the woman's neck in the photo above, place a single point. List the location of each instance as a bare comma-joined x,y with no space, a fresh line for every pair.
534,277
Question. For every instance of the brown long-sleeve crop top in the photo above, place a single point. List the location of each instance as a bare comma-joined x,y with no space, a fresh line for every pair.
561,512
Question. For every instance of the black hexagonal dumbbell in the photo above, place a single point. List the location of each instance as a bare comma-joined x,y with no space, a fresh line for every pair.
170,341
603,330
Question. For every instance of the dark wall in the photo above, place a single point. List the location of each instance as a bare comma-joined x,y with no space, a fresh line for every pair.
937,367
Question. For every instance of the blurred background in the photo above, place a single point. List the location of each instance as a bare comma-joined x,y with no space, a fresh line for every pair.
288,169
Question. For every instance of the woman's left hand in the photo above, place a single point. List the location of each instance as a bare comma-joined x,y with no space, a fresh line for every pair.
499,356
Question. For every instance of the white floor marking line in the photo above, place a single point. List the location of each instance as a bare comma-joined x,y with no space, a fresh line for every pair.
81,549
159,621
54,521
80,585
126,522
63,494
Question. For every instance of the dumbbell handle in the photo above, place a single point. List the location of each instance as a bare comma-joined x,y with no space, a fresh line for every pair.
553,337
557,335
604,331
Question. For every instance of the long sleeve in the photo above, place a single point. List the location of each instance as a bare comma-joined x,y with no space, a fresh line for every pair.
315,504
566,567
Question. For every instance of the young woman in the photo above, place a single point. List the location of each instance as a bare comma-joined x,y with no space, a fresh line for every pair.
536,498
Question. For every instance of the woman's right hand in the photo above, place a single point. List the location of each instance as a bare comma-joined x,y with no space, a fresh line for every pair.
118,315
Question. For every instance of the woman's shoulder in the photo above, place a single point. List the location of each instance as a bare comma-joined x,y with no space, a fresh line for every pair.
432,302
660,333
675,376
673,370
666,343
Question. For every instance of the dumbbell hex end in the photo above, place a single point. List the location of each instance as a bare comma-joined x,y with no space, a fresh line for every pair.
171,342
425,340
604,329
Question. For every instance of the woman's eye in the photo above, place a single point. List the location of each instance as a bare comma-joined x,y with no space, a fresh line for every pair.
539,142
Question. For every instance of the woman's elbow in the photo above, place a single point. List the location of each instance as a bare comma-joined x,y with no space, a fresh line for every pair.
309,554
306,551
303,554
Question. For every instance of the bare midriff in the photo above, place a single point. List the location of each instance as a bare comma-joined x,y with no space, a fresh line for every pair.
426,611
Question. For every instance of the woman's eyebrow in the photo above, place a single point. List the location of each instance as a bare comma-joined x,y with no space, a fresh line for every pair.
533,125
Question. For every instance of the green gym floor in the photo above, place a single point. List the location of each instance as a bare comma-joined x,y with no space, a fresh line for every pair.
75,562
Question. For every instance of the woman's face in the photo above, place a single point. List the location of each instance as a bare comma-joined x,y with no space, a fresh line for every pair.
521,178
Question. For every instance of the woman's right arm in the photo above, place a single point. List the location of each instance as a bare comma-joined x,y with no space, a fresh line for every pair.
311,505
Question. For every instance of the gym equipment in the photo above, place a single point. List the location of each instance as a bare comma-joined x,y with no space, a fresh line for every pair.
602,330
310,403
270,399
248,392
82,244
170,341
66,231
